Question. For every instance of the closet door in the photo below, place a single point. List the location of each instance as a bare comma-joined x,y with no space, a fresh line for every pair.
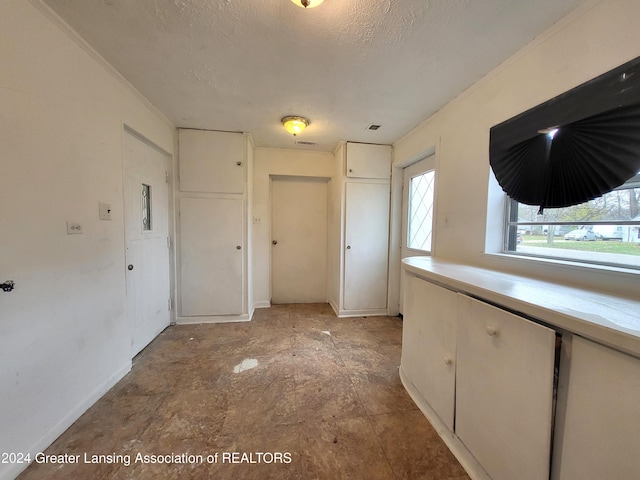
504,391
368,161
366,246
211,161
211,253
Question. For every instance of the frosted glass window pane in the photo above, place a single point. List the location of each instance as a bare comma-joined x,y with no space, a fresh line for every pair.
146,207
421,211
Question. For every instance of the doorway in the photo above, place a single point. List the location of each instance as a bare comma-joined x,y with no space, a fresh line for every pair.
418,208
299,239
146,222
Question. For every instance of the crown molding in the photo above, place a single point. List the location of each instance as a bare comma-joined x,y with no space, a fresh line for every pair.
82,43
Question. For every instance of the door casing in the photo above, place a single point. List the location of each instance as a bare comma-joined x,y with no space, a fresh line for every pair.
147,262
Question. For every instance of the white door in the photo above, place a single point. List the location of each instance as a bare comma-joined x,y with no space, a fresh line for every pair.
429,344
366,246
211,256
504,391
600,433
299,240
418,195
146,214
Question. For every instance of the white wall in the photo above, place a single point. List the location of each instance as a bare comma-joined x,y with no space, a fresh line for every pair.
587,43
272,161
64,338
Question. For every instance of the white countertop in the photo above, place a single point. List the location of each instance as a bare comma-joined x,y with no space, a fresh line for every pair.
604,318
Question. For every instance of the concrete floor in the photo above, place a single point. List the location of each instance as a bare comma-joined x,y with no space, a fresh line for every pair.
303,394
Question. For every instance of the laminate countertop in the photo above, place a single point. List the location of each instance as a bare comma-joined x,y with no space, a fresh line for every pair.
605,318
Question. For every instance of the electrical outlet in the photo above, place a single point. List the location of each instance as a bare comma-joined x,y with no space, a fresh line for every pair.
257,220
74,228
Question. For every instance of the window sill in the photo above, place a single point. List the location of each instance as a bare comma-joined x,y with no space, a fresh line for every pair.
564,262
604,278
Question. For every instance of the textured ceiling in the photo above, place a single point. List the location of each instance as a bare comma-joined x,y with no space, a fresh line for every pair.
241,65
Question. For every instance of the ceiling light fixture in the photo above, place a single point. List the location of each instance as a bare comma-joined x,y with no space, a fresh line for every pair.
294,125
307,3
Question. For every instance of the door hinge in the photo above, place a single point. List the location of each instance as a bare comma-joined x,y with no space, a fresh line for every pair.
169,243
166,177
170,304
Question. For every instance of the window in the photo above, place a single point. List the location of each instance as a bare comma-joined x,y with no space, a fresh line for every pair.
605,230
420,211
146,207
570,170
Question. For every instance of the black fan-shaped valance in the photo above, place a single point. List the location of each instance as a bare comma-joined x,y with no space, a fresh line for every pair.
595,149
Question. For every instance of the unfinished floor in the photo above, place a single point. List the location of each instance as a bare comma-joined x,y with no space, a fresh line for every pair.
295,380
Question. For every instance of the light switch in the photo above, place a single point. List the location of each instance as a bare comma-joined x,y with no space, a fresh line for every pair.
104,211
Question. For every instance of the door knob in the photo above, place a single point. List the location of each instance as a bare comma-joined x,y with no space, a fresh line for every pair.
492,330
348,247
238,247
129,267
275,242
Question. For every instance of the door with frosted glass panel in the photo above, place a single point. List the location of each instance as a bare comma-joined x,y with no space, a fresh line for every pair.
418,206
146,218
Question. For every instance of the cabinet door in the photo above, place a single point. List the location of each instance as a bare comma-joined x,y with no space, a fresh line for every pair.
211,162
601,429
366,246
211,280
429,344
504,391
368,161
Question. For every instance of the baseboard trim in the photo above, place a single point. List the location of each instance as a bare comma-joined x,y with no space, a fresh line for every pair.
361,313
459,450
59,428
213,319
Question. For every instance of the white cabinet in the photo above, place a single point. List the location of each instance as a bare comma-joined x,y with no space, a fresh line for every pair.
211,161
359,231
368,161
601,431
525,383
366,246
211,256
212,226
484,377
429,344
504,391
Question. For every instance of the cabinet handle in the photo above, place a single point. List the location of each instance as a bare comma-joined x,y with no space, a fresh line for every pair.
348,247
448,360
492,330
238,163
238,247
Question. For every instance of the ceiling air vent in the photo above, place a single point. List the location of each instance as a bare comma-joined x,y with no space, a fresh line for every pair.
305,142
373,127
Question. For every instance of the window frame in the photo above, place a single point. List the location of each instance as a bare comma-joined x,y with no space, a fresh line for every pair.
511,226
406,233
